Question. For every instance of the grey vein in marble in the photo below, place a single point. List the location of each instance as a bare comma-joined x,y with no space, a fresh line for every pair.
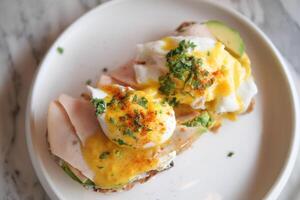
29,27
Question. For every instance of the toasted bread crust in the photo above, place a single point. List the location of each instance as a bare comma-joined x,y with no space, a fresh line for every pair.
250,107
129,186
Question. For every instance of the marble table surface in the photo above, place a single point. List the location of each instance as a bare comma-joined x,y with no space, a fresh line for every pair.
29,27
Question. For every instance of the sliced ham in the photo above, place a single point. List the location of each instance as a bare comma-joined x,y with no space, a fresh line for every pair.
125,74
82,116
109,80
193,29
63,140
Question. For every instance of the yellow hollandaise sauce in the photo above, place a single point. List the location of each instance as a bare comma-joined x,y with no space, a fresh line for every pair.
115,166
136,119
219,70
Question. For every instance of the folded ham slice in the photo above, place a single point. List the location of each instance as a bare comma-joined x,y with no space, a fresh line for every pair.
82,116
63,140
193,29
125,74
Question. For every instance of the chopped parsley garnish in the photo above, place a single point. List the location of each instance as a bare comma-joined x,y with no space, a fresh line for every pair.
129,133
112,102
112,120
203,120
172,101
208,53
60,50
104,155
120,142
99,105
118,153
100,167
185,71
167,86
137,121
196,84
183,47
134,99
179,62
230,154
141,101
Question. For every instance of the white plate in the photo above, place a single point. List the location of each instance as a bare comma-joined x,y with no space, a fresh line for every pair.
264,142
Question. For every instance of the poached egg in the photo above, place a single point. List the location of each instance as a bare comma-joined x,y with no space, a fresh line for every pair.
133,118
223,84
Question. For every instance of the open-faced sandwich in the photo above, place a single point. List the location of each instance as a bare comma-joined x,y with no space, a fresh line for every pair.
139,117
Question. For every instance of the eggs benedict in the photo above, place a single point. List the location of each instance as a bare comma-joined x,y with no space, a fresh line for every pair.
139,117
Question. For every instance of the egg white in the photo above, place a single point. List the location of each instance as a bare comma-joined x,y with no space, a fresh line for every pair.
153,53
246,92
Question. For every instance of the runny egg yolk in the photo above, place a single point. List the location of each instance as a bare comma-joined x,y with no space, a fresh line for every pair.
138,120
170,43
115,166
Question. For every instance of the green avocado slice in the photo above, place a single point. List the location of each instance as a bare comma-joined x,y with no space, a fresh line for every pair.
228,36
72,172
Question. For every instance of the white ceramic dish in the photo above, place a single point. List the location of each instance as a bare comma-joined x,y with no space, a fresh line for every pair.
265,142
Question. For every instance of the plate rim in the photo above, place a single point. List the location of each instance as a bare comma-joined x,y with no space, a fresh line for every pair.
290,160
